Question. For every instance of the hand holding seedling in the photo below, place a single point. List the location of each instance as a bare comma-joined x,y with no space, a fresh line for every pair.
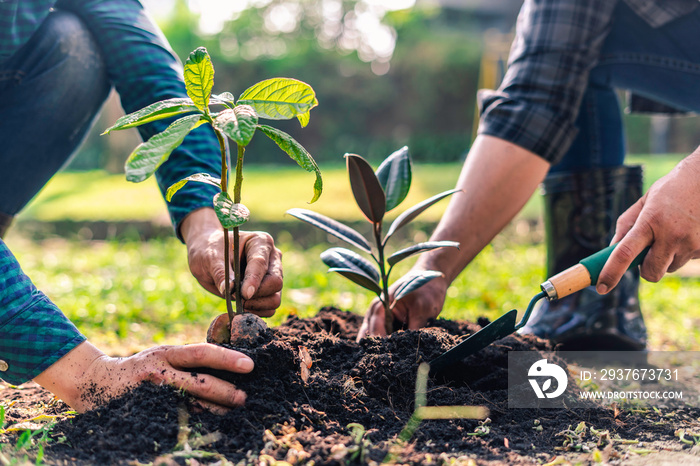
413,310
275,99
262,276
86,377
377,193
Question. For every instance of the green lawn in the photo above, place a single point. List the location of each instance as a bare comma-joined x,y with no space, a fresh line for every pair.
100,196
267,191
127,295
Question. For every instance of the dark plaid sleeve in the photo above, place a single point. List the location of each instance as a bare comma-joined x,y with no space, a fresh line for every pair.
557,43
144,69
34,333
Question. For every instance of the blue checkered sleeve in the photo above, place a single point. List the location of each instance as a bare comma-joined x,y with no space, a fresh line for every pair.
143,69
34,333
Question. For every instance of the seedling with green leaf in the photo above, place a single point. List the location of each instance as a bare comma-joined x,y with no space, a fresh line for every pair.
275,99
377,193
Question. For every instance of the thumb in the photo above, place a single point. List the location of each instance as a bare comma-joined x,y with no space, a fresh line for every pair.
373,323
219,275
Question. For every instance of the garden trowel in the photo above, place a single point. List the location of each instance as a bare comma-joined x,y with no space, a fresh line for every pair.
571,280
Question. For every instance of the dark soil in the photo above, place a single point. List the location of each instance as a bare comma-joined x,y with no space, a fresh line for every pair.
371,384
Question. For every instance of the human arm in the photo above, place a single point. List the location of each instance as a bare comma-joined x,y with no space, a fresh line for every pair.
497,180
85,377
526,125
37,341
667,218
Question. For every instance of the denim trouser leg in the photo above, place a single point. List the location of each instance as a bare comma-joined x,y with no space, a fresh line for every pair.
50,93
662,64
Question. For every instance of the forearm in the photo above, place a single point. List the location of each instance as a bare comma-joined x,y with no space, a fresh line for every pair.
497,179
199,223
34,333
69,377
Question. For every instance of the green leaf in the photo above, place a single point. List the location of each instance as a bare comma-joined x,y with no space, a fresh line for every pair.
200,177
148,156
398,256
199,78
368,193
304,119
230,215
341,258
280,99
394,175
414,212
238,124
360,278
225,98
412,282
156,111
332,227
297,152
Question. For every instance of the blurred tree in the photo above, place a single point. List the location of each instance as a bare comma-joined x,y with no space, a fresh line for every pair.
384,78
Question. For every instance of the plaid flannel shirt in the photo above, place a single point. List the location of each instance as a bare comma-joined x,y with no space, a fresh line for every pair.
556,45
34,333
143,69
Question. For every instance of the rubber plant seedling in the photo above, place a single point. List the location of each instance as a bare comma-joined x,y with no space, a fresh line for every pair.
274,99
377,193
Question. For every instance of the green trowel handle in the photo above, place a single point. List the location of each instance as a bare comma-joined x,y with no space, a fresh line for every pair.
583,274
595,262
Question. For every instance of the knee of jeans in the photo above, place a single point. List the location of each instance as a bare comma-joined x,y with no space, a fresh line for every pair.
74,46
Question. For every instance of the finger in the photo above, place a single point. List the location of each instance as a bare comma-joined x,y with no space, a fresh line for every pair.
373,322
377,322
657,262
622,256
205,387
626,221
272,281
264,307
201,405
219,274
211,288
258,251
417,321
207,355
206,275
678,262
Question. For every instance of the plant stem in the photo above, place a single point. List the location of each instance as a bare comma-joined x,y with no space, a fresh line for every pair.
224,188
388,315
236,240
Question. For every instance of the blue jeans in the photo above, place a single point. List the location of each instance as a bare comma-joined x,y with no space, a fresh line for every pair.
51,90
662,64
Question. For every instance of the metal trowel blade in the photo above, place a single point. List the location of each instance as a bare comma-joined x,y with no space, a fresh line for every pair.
499,328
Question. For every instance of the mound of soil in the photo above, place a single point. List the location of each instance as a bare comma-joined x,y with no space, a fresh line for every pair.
348,409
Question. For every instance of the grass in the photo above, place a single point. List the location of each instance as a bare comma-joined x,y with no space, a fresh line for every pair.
98,195
126,296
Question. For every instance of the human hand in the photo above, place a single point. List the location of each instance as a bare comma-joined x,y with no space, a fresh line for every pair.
85,377
261,288
414,309
667,217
